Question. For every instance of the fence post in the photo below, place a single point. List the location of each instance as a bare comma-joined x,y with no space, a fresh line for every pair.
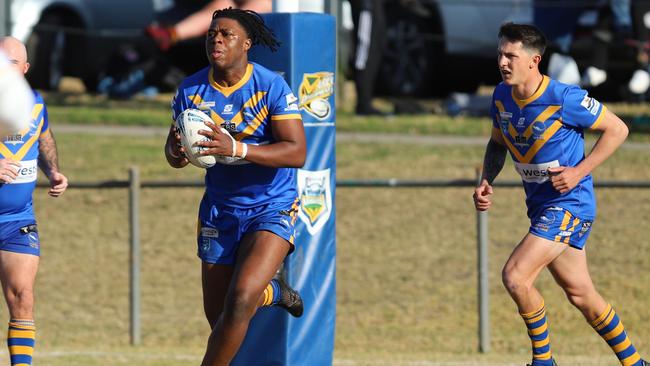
134,257
483,285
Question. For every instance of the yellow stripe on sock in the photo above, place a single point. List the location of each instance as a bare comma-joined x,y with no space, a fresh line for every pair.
533,313
539,330
622,346
542,356
631,360
614,332
542,343
21,350
13,333
535,319
605,322
22,364
601,317
268,295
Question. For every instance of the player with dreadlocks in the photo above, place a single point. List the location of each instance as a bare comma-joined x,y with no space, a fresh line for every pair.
249,209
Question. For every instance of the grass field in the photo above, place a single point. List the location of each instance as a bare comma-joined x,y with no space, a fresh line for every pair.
87,109
406,271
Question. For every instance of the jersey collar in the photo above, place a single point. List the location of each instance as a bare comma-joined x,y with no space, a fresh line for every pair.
227,90
542,88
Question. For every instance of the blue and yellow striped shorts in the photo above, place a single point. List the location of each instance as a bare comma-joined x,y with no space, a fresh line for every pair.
559,225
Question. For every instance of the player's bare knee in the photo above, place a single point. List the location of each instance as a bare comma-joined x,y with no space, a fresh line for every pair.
513,281
20,301
240,305
212,317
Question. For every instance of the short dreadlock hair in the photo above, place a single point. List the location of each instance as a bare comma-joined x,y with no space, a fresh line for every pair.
254,25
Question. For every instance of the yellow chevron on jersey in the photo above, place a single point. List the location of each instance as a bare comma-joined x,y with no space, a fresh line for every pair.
197,101
547,130
36,127
16,197
248,111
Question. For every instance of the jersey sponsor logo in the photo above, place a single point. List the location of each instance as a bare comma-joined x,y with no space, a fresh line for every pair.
14,139
206,105
290,98
205,244
538,130
316,198
535,173
545,220
315,91
27,172
521,122
227,109
504,119
586,225
230,126
521,141
505,116
590,104
209,232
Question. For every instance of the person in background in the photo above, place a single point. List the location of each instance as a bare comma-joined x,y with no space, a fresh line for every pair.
197,23
559,20
369,38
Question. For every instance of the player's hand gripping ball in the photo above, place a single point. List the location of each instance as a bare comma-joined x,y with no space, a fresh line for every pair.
188,124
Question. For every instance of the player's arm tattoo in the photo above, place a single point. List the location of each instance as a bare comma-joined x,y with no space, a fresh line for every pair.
48,159
495,158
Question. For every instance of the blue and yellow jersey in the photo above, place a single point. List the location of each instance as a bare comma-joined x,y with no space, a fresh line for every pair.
547,130
248,110
16,197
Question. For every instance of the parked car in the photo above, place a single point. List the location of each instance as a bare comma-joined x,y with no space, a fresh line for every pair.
440,46
432,49
75,37
79,37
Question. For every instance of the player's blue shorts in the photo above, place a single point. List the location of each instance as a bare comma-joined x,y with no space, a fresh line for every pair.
221,228
20,237
559,225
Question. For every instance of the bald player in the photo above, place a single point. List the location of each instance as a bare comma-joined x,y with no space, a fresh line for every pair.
21,154
16,98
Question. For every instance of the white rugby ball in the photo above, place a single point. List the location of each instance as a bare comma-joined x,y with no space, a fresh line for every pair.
188,124
16,99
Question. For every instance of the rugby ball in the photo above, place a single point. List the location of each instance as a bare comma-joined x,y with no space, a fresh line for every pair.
16,100
188,124
320,107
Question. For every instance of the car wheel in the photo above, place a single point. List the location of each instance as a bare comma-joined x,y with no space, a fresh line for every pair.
47,49
412,50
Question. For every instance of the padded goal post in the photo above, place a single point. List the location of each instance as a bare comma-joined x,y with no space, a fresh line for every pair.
307,61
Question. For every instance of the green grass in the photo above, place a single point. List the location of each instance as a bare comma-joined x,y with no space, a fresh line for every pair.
406,271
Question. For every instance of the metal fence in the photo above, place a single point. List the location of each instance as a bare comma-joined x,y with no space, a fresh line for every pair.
134,185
